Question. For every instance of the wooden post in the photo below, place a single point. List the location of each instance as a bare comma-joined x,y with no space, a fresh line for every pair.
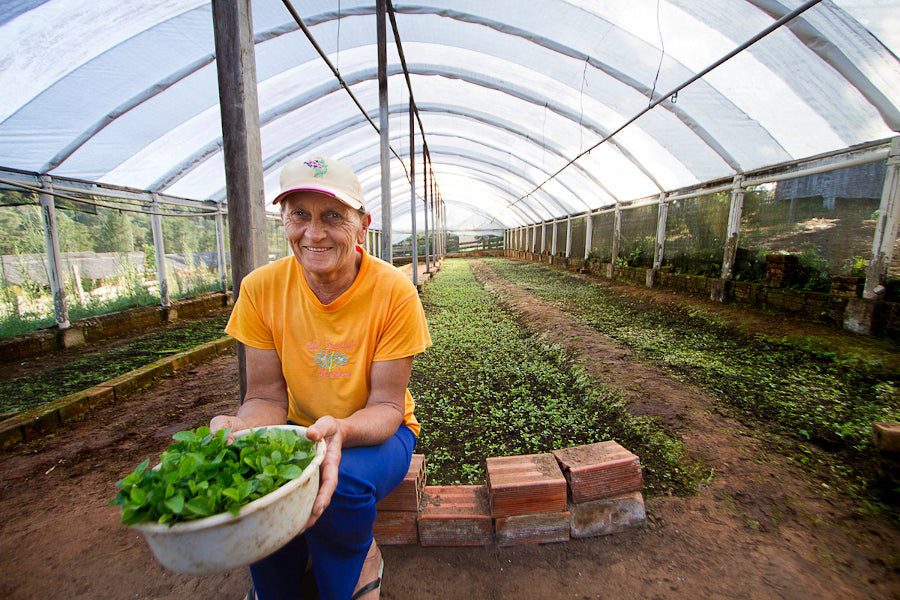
588,235
236,66
617,236
662,218
51,246
554,225
414,241
735,211
159,247
426,183
386,237
220,249
886,228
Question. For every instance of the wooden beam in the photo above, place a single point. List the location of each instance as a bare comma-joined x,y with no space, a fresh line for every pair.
236,66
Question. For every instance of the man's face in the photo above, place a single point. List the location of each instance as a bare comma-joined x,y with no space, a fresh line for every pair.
323,233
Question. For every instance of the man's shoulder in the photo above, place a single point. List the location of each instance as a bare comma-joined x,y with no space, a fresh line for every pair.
387,274
275,270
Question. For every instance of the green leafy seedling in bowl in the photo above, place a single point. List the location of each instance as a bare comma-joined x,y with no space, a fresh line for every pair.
202,475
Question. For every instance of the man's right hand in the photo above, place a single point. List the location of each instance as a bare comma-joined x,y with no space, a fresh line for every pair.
222,421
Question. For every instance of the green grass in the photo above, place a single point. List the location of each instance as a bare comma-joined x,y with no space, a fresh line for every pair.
487,389
826,395
23,393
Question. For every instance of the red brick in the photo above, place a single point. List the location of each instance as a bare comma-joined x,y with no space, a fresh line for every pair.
39,421
599,471
538,528
607,516
521,485
408,494
396,527
456,516
101,395
10,434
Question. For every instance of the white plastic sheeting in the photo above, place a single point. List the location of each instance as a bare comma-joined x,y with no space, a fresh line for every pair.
125,93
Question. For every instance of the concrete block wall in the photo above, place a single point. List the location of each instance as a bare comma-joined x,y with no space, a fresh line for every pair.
111,325
834,308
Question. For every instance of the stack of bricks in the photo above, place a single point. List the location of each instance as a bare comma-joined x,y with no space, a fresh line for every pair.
398,512
779,269
847,287
534,499
528,499
605,483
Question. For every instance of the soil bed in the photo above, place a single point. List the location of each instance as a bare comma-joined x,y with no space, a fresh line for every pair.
762,527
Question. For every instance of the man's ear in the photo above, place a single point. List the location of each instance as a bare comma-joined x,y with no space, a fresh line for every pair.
366,222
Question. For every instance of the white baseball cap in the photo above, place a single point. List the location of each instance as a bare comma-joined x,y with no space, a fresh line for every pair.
320,174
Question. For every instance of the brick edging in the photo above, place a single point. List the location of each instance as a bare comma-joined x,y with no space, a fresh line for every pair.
577,492
30,424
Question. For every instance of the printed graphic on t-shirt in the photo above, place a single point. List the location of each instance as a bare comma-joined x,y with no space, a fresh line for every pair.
331,358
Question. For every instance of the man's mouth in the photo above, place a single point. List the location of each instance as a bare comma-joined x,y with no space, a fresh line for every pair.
317,250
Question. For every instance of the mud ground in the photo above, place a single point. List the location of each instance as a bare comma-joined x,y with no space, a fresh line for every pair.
762,527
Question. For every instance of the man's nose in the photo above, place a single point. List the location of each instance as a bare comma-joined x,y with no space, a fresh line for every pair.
315,229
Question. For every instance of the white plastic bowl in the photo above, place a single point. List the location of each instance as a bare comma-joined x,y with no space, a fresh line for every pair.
223,541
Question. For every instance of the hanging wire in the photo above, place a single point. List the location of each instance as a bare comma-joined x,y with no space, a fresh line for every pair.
662,53
337,42
390,10
777,24
312,40
25,186
581,104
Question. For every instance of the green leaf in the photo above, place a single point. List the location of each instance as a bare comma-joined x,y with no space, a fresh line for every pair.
138,496
175,504
200,475
184,436
290,472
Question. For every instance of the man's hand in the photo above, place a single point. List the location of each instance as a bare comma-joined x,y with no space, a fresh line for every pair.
328,429
223,421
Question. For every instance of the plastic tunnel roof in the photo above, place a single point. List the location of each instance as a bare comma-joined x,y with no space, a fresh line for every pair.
509,92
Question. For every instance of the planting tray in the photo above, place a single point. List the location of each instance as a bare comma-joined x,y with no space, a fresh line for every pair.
224,541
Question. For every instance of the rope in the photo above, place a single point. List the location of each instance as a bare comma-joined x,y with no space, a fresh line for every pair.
39,190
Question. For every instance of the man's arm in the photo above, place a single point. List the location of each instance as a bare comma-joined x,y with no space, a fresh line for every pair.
266,400
370,426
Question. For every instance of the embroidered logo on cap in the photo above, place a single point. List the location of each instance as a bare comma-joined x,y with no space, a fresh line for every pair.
318,165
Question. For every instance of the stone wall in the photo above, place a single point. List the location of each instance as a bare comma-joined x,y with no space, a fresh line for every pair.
111,325
817,306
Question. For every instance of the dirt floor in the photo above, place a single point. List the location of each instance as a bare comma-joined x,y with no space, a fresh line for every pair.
761,528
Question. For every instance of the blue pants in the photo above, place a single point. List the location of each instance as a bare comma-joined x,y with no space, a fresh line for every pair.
340,539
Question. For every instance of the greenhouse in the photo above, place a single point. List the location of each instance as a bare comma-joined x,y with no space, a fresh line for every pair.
659,235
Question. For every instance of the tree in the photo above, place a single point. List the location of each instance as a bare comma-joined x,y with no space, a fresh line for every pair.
116,234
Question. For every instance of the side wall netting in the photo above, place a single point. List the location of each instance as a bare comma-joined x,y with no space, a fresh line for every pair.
825,226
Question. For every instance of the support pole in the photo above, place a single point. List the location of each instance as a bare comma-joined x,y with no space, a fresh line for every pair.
159,246
735,212
886,228
554,226
54,262
386,237
569,236
426,183
588,235
662,217
617,237
236,66
414,241
220,249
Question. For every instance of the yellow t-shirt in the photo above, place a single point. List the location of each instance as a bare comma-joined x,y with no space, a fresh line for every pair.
326,351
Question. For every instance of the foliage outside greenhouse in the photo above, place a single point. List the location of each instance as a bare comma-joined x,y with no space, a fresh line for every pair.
108,260
826,222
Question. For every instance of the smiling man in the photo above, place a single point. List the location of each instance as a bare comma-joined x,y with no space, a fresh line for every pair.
330,334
